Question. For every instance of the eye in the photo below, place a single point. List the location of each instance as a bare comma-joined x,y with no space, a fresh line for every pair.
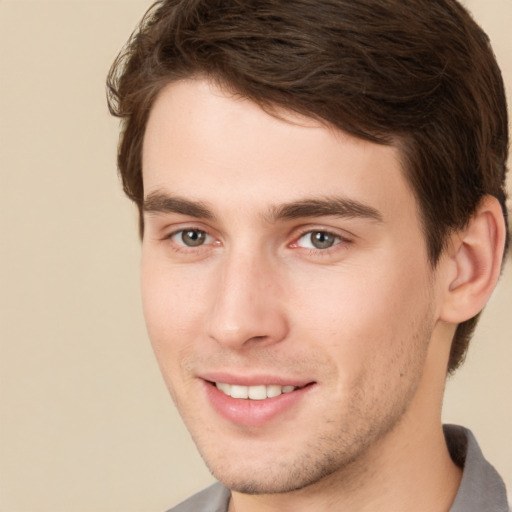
191,237
318,240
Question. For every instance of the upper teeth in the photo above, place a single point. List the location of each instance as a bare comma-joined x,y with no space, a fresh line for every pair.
253,392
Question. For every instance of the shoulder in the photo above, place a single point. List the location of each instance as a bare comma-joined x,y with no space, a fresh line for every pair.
212,499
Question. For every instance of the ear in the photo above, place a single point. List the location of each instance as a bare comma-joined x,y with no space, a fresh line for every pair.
474,258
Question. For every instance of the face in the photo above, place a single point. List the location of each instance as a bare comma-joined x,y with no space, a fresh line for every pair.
286,287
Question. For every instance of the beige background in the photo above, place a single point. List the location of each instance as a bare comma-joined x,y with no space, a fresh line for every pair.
85,421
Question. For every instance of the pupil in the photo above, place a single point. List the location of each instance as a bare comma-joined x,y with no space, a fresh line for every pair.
193,238
322,240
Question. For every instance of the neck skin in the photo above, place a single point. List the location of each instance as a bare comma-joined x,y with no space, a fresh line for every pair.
409,469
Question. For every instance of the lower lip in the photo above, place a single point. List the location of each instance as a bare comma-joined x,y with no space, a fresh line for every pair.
253,413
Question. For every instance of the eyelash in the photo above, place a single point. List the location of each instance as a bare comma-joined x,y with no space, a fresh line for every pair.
340,242
183,248
187,249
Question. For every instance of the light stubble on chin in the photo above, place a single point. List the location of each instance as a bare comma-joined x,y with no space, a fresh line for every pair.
336,453
335,458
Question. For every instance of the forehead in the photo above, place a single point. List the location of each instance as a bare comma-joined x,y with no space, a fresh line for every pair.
204,143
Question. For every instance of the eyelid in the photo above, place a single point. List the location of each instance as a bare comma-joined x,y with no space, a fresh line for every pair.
339,233
172,231
212,239
336,239
343,240
208,237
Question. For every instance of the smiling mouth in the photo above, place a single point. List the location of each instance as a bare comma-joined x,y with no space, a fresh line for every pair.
256,404
260,392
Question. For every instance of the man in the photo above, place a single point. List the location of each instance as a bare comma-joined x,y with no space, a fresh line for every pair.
322,211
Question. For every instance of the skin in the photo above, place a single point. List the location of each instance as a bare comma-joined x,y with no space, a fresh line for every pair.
360,320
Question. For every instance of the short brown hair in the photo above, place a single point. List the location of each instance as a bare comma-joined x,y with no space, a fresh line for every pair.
419,74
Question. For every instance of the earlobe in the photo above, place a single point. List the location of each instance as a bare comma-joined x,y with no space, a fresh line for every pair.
475,257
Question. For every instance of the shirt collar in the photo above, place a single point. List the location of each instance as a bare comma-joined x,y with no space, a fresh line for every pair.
481,487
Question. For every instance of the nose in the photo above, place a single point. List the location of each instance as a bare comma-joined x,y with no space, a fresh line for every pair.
249,304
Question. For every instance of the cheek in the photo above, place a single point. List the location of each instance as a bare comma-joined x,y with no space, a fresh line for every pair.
172,307
347,301
362,314
172,312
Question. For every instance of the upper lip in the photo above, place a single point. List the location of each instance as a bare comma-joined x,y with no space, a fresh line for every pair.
240,379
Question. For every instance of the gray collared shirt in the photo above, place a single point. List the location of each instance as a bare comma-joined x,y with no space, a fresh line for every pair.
481,488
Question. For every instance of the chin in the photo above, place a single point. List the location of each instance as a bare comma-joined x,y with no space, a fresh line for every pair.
277,475
268,484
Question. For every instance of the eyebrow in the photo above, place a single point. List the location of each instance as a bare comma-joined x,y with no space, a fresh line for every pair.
325,206
158,202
